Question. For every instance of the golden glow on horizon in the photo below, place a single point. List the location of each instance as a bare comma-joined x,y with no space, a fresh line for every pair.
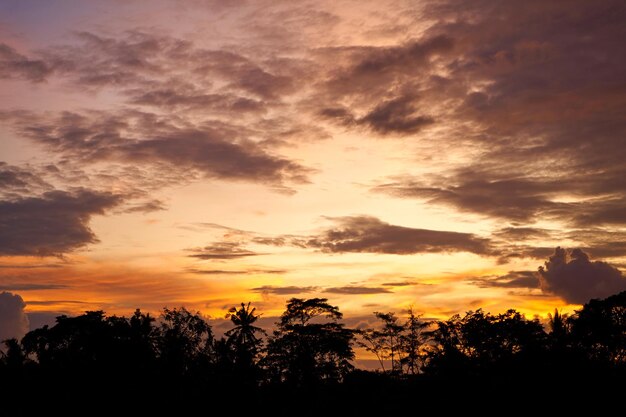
145,259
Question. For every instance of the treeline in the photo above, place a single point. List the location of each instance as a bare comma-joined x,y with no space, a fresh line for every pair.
177,361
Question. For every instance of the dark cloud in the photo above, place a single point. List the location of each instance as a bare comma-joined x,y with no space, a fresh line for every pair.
138,61
30,286
29,266
289,290
398,115
401,284
400,58
54,302
237,272
146,206
513,279
356,290
13,320
577,279
222,251
372,70
189,99
216,149
271,241
517,234
15,65
535,93
54,223
206,152
516,199
19,180
513,242
606,211
371,235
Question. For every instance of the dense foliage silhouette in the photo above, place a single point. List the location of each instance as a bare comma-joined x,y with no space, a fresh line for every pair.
306,364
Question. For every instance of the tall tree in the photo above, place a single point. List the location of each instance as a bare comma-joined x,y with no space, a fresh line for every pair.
599,329
481,342
412,342
184,339
243,337
386,341
309,345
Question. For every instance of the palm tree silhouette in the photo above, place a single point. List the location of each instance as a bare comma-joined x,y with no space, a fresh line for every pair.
243,334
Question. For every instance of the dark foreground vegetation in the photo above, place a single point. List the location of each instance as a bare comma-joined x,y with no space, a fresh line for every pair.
94,364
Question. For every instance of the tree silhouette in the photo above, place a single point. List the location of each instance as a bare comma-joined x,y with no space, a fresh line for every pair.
305,348
185,339
243,339
412,342
14,357
482,343
600,329
386,342
116,361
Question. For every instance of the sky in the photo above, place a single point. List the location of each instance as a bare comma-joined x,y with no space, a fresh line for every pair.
441,155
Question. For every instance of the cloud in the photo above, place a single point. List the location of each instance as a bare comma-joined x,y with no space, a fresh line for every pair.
398,115
577,279
237,272
13,320
357,290
516,199
54,223
187,98
162,67
289,290
217,150
371,235
15,286
146,206
513,279
517,234
16,65
535,103
222,251
401,284
372,70
20,180
271,241
29,266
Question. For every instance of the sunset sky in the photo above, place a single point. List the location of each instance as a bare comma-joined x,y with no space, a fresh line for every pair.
380,154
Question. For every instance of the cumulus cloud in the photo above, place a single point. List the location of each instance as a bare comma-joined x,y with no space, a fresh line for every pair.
371,235
13,320
577,279
54,223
